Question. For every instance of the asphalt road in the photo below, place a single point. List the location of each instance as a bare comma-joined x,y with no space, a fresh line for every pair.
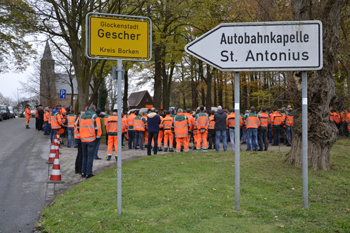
23,175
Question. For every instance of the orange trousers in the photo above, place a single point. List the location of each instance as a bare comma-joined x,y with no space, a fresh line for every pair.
184,142
27,120
112,141
160,139
168,136
195,137
202,137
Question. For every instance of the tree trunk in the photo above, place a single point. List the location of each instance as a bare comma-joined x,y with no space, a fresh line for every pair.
322,134
157,99
209,81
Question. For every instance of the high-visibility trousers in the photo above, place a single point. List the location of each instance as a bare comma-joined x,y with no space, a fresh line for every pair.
112,141
195,137
168,137
181,141
145,137
160,138
27,120
202,137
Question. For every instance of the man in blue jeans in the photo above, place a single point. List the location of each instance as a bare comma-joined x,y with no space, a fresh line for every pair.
220,119
252,123
70,129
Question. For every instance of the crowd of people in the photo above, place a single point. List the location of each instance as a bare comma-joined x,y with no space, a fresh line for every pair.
171,130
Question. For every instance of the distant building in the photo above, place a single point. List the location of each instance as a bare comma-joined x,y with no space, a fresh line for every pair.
141,99
51,83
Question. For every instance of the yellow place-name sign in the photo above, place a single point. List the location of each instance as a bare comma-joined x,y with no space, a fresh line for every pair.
118,38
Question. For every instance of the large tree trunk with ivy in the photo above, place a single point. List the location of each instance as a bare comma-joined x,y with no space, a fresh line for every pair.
322,134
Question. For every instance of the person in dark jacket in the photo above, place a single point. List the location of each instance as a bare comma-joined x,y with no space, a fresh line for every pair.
153,122
40,118
220,119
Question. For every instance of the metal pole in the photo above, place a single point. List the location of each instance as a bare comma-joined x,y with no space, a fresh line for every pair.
237,143
305,140
119,163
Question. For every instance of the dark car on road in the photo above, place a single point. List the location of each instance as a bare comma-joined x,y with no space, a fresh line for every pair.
5,112
12,114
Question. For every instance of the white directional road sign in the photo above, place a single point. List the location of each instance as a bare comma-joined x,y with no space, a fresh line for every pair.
264,46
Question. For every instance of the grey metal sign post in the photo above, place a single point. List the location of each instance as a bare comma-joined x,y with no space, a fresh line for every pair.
101,33
263,46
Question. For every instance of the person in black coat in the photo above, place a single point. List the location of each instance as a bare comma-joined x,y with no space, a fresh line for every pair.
220,119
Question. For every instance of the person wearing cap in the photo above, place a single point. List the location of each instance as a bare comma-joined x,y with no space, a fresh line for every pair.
28,115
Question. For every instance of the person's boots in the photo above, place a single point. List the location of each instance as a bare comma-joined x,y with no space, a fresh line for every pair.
160,148
27,127
171,150
116,158
109,157
166,149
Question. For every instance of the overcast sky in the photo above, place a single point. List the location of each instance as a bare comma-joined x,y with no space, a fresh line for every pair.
9,82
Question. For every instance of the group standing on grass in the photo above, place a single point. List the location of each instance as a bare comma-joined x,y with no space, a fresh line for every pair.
168,130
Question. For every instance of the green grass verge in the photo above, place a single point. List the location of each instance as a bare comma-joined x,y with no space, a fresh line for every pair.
194,192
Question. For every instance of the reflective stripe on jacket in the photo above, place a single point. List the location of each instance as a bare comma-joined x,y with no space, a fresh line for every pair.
89,128
264,120
202,121
55,121
139,123
181,125
167,122
112,125
71,118
231,120
252,122
212,122
276,119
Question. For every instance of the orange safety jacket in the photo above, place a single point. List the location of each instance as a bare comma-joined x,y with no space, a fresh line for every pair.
130,121
232,122
55,120
89,129
181,125
167,122
192,125
28,113
71,118
36,114
76,129
252,122
347,119
331,116
264,119
112,125
46,116
276,119
139,124
343,115
337,118
202,121
212,122
289,120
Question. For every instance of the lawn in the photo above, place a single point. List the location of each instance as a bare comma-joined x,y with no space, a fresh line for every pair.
194,192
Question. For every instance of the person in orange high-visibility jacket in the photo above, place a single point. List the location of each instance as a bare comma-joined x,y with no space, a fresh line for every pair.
211,131
202,122
181,125
348,120
252,123
112,129
47,130
231,122
337,119
89,130
124,127
263,128
36,115
343,116
56,122
130,121
28,115
61,131
189,116
105,121
167,125
160,134
289,122
145,134
139,129
276,124
71,119
79,158
193,128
